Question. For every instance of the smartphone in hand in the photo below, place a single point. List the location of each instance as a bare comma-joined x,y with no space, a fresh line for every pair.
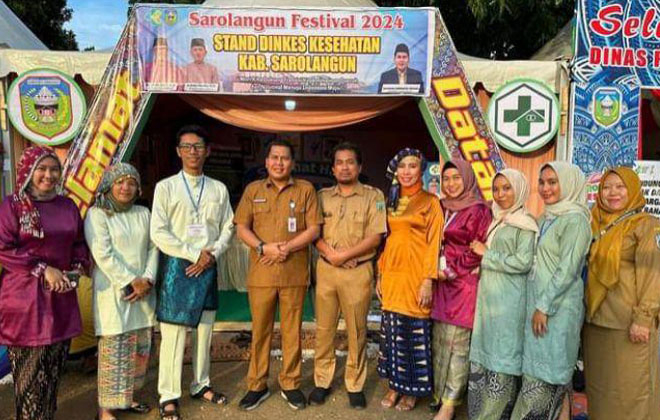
73,277
127,290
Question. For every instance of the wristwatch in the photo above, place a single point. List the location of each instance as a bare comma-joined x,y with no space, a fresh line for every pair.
260,249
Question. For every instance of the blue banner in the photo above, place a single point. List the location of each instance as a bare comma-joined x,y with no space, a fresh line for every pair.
369,51
612,60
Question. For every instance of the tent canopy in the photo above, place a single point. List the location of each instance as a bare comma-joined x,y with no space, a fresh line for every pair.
14,33
561,46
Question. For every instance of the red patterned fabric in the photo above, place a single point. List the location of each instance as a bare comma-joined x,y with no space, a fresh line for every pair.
22,204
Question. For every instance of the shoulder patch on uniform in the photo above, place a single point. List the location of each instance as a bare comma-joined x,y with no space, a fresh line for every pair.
380,205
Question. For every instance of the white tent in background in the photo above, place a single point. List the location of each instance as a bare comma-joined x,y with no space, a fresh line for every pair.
559,47
14,33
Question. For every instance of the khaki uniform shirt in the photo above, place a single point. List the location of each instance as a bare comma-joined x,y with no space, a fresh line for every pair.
636,297
348,220
266,210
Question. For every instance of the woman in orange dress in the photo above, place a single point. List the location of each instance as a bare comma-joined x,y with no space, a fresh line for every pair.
406,272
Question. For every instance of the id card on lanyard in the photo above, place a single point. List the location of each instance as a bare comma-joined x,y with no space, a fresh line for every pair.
292,225
197,229
442,263
545,227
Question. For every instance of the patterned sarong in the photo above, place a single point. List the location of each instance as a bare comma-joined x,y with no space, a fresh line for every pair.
181,299
539,400
405,354
491,395
123,362
451,364
36,372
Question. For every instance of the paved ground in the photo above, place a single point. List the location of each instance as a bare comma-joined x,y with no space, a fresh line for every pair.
77,397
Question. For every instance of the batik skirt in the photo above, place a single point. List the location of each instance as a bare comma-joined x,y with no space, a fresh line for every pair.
36,372
539,400
451,363
405,354
491,395
123,362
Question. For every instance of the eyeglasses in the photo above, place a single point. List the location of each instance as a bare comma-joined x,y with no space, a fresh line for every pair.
187,147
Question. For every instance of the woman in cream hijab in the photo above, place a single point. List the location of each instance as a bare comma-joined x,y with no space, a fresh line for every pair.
555,293
623,299
497,335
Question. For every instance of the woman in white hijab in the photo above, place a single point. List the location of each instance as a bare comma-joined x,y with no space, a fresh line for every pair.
555,293
498,334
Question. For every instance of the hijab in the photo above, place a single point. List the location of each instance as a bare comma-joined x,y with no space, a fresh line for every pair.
395,189
605,254
572,190
23,206
117,172
470,195
517,215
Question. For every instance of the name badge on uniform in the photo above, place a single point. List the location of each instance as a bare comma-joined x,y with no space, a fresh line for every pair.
442,263
259,200
195,230
291,221
292,225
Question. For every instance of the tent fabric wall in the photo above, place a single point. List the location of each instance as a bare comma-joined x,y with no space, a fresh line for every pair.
267,113
89,65
14,33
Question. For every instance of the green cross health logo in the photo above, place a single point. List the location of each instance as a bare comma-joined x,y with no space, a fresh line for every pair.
524,115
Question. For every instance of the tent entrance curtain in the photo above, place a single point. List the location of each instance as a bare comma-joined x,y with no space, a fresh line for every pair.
267,113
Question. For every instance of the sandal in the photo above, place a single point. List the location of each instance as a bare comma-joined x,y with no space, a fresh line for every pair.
390,399
171,414
137,408
216,399
406,403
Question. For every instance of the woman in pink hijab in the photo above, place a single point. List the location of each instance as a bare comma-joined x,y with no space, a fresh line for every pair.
42,252
467,217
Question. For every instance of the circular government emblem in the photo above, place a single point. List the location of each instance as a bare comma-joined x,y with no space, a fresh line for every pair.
46,106
523,115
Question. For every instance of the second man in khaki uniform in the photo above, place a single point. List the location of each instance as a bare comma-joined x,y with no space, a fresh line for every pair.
354,221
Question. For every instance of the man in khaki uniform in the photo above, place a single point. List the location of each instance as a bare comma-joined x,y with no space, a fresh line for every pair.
278,218
354,220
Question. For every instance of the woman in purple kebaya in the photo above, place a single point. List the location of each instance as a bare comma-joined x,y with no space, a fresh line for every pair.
42,252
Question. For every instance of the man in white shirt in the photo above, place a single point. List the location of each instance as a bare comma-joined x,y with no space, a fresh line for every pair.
191,224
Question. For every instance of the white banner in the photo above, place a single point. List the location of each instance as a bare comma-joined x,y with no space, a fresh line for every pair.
649,173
